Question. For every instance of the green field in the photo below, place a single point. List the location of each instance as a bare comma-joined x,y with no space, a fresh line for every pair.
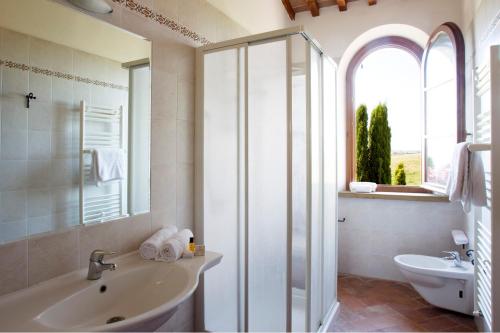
411,162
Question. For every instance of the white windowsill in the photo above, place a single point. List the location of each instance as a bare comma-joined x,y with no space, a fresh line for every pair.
428,197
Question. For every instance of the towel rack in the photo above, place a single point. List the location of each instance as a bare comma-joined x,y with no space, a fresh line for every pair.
101,127
473,147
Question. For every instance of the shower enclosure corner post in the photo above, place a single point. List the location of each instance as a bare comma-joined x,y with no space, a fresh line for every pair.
199,324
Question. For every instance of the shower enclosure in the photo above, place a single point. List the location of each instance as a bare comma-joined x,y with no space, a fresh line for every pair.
266,183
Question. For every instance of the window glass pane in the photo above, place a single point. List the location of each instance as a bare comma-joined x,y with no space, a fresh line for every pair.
440,64
438,157
441,110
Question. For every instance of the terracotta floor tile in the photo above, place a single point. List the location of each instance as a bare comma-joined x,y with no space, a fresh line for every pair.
368,305
438,324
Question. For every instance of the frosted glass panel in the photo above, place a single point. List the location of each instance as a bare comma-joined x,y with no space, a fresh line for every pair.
299,183
267,187
330,188
221,121
316,192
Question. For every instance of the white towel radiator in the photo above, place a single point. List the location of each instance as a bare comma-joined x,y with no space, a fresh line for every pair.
101,127
486,227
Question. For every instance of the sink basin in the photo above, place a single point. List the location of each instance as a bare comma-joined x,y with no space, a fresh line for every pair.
139,296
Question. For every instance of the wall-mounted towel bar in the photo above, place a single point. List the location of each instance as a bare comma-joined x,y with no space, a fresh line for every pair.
479,147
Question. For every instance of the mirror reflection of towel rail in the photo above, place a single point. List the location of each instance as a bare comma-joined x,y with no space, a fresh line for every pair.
479,147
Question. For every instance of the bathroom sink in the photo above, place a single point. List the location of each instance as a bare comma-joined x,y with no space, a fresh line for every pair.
139,296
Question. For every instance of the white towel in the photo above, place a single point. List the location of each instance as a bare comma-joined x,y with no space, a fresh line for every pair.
108,164
174,247
362,187
466,178
475,193
150,248
458,170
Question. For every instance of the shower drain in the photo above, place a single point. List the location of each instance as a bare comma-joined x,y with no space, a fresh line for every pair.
115,319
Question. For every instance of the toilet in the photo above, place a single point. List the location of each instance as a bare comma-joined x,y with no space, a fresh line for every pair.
439,281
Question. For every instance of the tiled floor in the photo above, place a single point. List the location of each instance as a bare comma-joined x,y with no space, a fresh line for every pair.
386,306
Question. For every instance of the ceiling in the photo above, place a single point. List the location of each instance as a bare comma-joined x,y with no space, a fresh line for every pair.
63,25
295,6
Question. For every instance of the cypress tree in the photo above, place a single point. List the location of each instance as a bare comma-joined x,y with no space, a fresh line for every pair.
379,150
400,174
362,144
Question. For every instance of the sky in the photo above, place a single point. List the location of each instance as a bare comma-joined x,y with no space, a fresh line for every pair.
392,76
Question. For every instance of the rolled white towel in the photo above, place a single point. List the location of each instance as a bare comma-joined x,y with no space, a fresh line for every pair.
151,247
362,187
173,247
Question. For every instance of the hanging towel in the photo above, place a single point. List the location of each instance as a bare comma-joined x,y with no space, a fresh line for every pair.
108,164
475,193
150,248
458,170
466,178
173,247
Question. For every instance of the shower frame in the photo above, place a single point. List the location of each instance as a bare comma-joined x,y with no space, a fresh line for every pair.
242,45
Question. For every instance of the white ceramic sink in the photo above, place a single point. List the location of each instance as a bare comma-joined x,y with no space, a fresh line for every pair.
144,293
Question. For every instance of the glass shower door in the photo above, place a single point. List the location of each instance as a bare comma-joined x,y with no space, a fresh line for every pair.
267,187
221,133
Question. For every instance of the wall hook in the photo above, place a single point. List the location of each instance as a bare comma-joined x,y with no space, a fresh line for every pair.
28,97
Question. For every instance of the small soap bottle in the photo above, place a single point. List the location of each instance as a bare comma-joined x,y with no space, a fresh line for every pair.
192,245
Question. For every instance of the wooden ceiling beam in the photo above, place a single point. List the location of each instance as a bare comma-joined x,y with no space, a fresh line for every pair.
372,2
342,5
313,7
289,9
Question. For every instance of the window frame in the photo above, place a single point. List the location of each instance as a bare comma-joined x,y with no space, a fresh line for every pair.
454,33
399,42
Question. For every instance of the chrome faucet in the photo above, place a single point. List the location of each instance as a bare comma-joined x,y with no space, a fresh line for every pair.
455,256
96,266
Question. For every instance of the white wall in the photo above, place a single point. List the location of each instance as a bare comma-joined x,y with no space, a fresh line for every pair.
377,230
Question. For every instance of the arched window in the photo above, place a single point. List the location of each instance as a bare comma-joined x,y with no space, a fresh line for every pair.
387,70
382,71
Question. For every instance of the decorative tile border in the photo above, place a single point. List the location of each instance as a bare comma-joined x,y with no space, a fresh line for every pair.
163,20
60,75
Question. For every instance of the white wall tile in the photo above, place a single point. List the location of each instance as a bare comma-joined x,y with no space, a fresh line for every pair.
40,224
41,53
14,230
14,144
13,206
14,82
39,145
185,142
39,116
61,172
41,86
39,203
14,114
62,59
38,174
12,175
62,91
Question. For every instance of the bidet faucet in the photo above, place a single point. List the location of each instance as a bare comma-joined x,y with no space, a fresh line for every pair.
96,266
455,256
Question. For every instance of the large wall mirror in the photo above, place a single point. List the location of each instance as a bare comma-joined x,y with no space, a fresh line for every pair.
78,150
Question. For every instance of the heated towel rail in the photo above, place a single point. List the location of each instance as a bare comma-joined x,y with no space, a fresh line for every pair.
482,215
101,127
